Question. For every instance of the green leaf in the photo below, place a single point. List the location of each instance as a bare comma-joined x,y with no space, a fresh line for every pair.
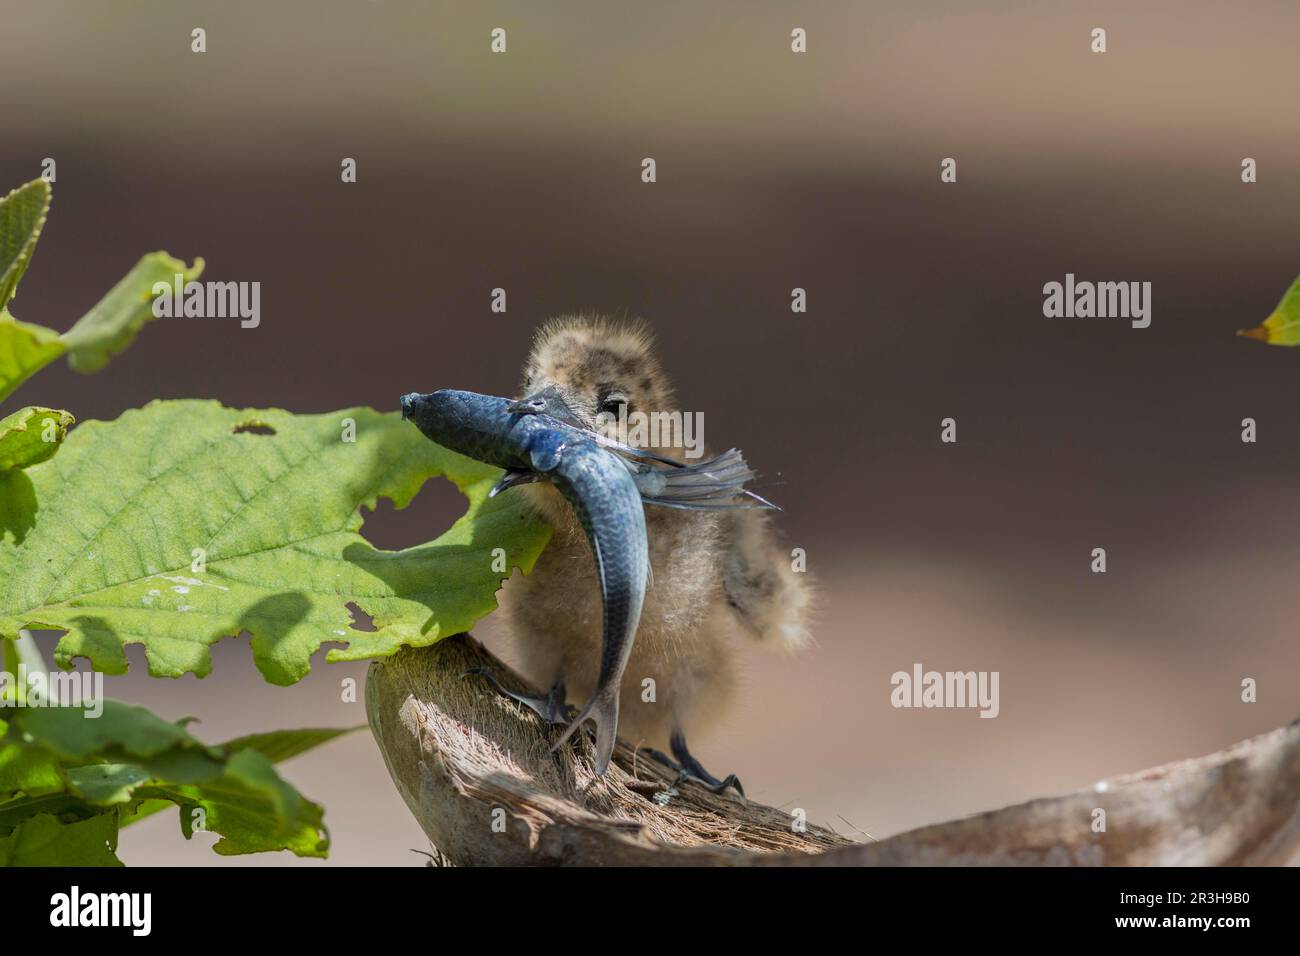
112,324
276,745
126,506
25,349
27,770
281,745
239,804
66,764
121,733
23,436
101,333
1283,326
17,506
22,214
107,783
44,840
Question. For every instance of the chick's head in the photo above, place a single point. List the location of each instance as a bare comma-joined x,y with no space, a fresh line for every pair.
603,370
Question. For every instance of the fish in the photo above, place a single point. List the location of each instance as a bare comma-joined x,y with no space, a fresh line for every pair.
712,485
603,494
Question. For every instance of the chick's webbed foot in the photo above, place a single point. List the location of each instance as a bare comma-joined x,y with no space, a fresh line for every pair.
688,768
551,708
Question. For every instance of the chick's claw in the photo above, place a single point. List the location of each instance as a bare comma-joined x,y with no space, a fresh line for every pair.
688,768
551,708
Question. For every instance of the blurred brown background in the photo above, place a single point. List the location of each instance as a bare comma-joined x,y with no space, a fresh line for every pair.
775,170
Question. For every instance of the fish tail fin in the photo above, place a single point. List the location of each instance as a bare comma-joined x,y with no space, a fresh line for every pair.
603,709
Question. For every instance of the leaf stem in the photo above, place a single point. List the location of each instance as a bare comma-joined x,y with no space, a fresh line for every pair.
27,652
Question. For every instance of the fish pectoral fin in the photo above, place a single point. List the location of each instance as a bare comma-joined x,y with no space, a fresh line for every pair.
547,458
512,477
717,484
603,709
756,504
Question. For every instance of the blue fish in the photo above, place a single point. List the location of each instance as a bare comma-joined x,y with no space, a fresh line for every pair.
606,484
712,485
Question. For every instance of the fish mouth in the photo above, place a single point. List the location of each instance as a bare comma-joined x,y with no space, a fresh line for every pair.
408,402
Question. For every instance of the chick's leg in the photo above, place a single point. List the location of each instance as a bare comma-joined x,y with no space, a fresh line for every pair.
696,681
551,708
688,768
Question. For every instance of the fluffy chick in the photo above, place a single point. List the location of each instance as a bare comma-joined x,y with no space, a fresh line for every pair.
715,575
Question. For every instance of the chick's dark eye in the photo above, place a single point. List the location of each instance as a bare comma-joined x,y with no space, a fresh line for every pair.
613,403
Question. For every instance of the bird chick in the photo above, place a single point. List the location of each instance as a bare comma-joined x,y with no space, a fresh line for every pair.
716,576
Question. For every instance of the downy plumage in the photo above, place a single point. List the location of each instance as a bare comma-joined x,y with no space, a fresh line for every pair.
717,576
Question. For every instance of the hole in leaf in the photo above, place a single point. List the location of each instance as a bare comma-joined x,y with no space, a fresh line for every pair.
433,510
361,621
253,427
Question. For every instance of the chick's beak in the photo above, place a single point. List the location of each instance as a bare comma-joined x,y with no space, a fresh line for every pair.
409,401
